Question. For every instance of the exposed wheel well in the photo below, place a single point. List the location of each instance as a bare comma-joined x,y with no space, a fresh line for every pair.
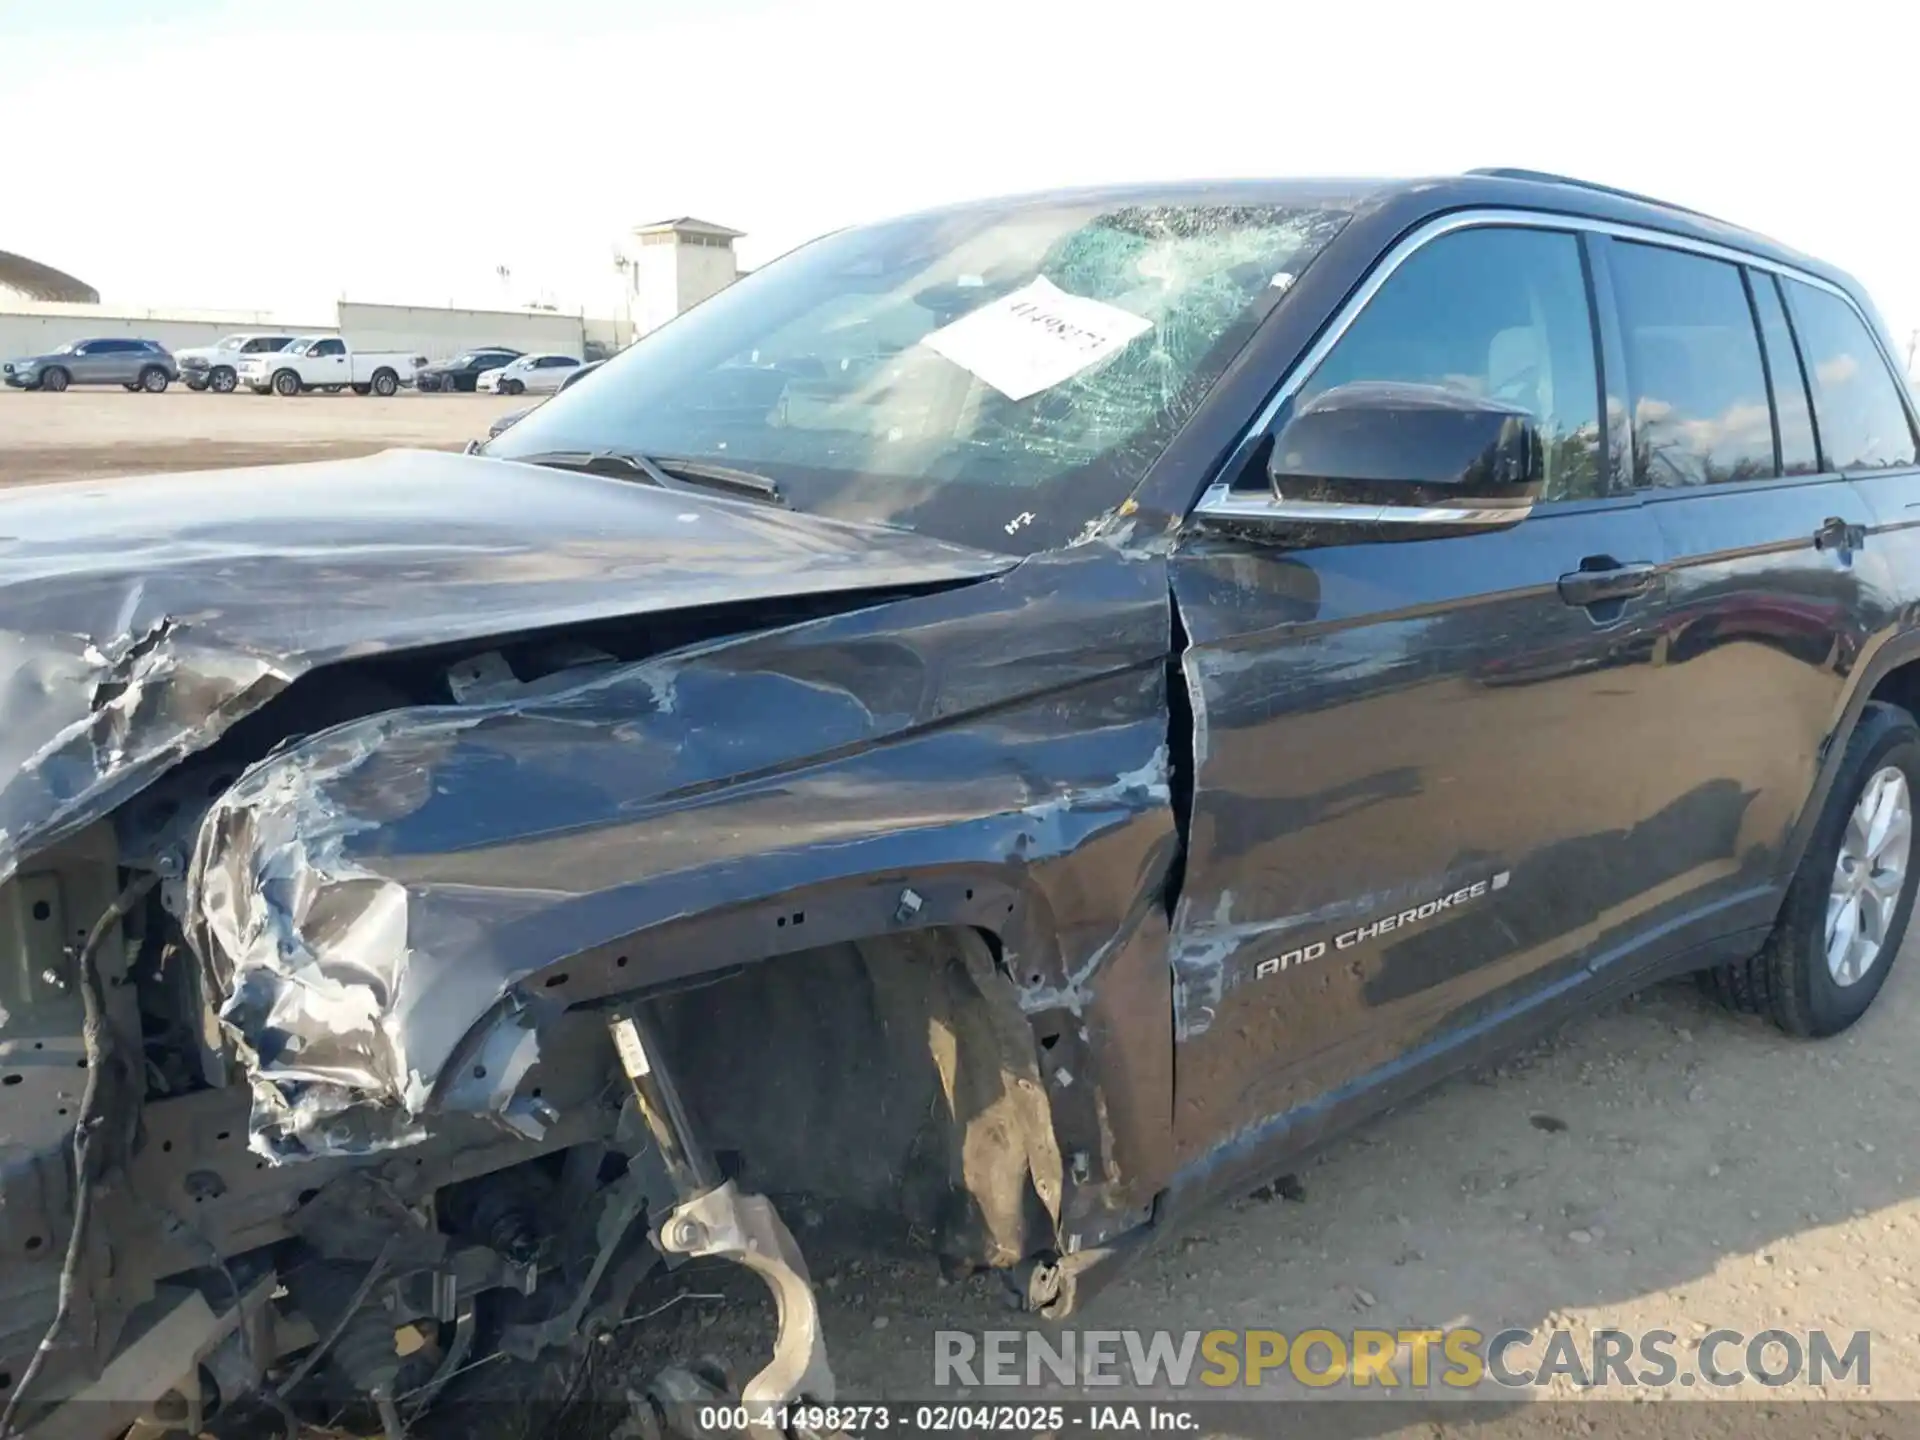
1900,686
897,1075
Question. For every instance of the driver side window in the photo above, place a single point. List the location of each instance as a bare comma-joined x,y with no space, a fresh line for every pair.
1499,313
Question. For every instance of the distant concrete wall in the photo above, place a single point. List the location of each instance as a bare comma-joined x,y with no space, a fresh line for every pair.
438,332
605,338
29,327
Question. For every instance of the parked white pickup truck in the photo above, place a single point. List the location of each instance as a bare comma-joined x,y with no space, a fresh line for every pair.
216,367
326,362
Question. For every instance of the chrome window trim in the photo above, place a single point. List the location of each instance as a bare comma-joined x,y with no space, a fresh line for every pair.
1254,507
1218,499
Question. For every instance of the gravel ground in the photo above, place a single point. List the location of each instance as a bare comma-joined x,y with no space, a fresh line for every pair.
1661,1165
85,433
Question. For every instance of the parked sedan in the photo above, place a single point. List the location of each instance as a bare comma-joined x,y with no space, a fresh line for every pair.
535,374
134,364
514,417
464,369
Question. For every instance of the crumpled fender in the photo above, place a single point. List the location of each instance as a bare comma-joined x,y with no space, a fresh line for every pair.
390,907
138,621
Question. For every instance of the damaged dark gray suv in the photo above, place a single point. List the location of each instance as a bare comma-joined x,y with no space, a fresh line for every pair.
1023,718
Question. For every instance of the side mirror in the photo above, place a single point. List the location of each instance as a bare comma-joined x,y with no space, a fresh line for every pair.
1405,461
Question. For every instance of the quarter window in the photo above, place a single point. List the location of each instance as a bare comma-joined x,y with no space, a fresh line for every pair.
1499,313
1699,392
1863,424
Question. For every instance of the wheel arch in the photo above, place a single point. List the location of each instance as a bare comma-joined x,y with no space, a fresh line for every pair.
1888,672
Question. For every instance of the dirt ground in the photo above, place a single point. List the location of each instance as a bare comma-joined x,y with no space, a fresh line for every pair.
86,433
1661,1165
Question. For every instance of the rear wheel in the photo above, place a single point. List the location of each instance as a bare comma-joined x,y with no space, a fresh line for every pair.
153,380
222,380
385,383
196,385
286,382
54,379
1846,911
131,387
363,389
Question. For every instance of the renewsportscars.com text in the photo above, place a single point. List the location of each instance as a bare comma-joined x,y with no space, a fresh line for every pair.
1460,1358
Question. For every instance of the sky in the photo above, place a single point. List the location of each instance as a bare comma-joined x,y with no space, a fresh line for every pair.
283,154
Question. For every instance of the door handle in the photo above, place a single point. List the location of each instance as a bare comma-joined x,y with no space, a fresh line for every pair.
1836,534
1601,578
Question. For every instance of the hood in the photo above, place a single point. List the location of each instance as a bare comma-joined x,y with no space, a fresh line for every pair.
204,352
140,618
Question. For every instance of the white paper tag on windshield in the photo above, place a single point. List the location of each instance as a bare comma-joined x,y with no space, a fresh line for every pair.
1036,337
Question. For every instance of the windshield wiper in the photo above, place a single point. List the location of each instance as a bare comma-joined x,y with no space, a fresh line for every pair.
720,477
668,472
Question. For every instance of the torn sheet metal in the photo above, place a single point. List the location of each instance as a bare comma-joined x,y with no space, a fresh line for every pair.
138,621
376,897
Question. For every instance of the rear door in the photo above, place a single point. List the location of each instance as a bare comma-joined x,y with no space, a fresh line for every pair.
1417,803
1774,583
552,372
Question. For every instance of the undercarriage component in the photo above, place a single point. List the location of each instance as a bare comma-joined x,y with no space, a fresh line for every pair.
622,1202
713,1218
747,1230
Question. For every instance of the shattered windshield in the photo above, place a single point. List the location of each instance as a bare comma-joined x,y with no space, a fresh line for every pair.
997,376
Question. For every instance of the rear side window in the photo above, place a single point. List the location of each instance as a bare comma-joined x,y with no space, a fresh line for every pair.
1799,455
1497,313
1863,424
1694,377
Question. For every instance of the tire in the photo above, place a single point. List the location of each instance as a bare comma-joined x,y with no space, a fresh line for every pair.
512,387
1791,981
363,389
54,379
195,385
132,388
385,382
154,380
286,382
221,380
426,384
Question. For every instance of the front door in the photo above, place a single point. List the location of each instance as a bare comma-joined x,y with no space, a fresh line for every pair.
1417,793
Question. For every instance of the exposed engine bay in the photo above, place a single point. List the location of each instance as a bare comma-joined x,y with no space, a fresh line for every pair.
206,1279
418,928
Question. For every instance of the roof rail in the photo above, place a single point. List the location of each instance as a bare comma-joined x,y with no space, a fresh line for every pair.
1512,172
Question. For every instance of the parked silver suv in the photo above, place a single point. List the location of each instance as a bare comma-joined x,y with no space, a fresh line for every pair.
135,364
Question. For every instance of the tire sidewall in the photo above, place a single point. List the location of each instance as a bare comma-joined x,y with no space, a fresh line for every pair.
385,383
54,379
153,380
281,388
1886,737
222,381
